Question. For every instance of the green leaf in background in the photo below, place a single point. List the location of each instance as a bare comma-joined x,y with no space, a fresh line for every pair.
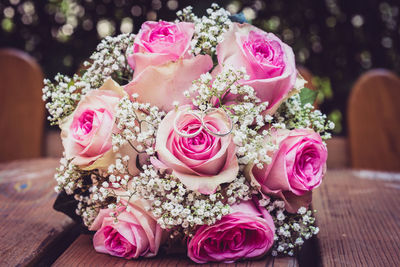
307,96
324,88
336,117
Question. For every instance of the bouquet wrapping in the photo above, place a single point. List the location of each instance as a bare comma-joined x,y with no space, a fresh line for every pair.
196,134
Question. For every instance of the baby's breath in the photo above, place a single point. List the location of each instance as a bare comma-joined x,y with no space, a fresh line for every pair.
292,230
62,96
68,177
109,60
209,29
86,188
137,124
294,115
176,207
245,111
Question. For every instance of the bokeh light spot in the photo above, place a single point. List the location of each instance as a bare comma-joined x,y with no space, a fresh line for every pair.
136,11
126,25
357,21
172,4
105,28
249,13
9,12
151,15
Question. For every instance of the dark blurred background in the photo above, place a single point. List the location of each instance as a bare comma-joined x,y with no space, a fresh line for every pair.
335,40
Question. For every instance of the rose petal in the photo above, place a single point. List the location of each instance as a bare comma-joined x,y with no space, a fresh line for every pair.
241,234
208,184
135,234
273,89
162,85
205,176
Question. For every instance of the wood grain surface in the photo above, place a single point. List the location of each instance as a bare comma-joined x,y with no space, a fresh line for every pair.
374,121
338,153
30,229
82,253
53,144
21,106
359,220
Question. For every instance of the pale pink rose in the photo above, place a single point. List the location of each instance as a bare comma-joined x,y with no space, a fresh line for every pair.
248,232
86,133
297,167
163,67
268,61
201,162
135,233
160,42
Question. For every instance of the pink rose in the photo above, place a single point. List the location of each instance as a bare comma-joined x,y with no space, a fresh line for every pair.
161,42
135,233
201,162
297,167
163,66
245,233
269,62
86,133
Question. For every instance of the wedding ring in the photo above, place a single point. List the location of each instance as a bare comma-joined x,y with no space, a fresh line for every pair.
201,116
210,112
179,116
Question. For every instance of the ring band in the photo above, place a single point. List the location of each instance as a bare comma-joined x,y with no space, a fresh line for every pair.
203,125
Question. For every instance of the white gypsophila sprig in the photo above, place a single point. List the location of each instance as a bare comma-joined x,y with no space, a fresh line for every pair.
137,123
209,29
107,188
62,96
89,206
292,230
294,115
83,185
245,111
176,207
103,189
68,177
109,60
96,198
186,14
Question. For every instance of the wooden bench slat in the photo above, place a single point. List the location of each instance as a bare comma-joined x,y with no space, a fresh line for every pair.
338,156
29,226
82,253
22,112
374,121
359,220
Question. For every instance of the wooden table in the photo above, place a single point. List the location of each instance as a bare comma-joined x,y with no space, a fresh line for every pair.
359,220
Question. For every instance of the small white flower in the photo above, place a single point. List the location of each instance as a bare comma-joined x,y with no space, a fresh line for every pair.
316,231
280,216
302,210
299,241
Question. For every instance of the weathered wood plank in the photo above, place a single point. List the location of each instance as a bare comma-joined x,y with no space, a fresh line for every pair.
82,253
374,121
21,106
284,262
29,227
359,220
338,156
52,144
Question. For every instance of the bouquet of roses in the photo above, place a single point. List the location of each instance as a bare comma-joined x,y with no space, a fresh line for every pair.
196,133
